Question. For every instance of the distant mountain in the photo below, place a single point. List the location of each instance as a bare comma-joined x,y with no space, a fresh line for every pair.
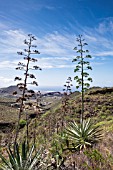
8,91
51,94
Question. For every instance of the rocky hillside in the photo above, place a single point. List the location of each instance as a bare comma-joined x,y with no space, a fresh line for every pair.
8,91
99,107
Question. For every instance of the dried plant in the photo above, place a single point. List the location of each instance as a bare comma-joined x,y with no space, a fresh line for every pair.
37,111
65,101
23,82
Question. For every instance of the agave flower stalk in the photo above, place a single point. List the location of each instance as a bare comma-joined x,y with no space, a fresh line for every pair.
26,94
81,67
65,101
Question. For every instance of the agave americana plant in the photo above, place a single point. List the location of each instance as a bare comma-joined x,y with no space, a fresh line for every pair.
24,159
84,134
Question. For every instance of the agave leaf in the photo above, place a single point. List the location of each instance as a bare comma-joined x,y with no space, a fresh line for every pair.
12,159
23,151
73,129
6,163
17,155
20,161
28,160
33,164
34,160
71,134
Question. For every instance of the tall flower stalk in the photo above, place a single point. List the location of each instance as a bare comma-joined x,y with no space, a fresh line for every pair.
82,66
65,101
26,94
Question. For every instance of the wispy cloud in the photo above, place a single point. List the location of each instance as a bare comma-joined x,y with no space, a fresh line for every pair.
7,65
56,46
4,81
56,49
106,25
100,38
31,5
52,45
44,62
11,41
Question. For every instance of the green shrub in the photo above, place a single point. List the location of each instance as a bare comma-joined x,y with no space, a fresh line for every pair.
78,110
104,108
102,123
109,118
103,117
22,123
57,148
108,112
94,154
99,106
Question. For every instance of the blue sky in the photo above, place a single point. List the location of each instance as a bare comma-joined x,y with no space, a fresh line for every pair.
56,24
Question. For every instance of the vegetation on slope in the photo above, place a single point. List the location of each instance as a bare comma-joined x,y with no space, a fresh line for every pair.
48,129
98,106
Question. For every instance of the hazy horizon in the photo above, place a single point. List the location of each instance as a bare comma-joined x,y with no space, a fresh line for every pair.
53,88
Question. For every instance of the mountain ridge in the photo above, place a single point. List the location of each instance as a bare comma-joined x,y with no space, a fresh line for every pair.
8,91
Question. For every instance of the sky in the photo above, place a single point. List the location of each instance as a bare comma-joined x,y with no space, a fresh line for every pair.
56,25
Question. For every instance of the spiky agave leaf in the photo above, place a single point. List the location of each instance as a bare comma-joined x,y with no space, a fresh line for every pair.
84,134
5,164
25,159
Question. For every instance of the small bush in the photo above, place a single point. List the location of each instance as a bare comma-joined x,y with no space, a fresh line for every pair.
22,123
104,108
109,118
78,110
103,117
108,112
99,106
94,155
